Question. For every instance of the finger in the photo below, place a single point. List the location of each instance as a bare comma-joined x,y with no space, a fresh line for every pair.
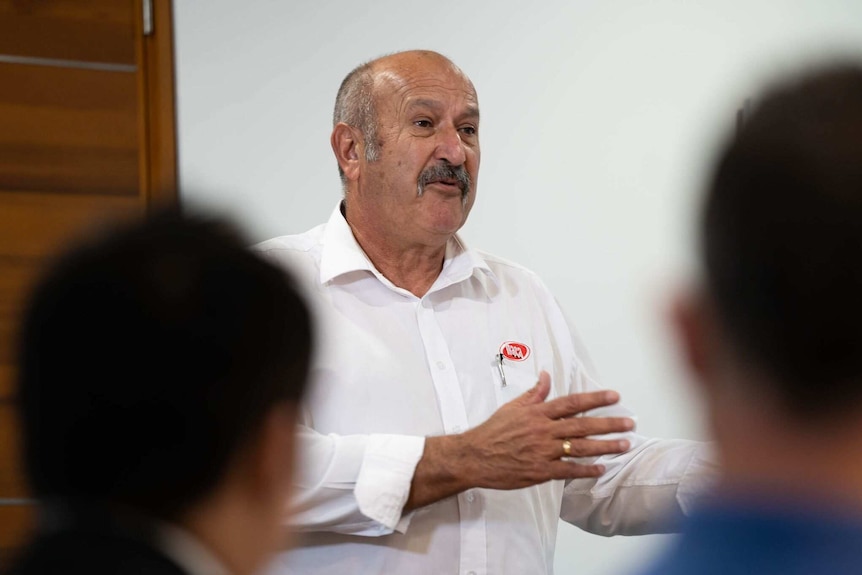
537,393
594,447
585,426
575,403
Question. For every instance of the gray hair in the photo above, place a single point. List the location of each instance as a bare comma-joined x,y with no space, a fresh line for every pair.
354,105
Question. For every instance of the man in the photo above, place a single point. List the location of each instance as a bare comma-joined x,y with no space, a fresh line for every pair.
160,370
774,338
429,446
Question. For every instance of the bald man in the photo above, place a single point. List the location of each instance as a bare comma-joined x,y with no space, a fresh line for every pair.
453,421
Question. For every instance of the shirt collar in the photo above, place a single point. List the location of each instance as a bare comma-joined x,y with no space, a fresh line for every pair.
342,254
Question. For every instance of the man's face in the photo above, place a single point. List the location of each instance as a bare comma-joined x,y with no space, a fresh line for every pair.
423,185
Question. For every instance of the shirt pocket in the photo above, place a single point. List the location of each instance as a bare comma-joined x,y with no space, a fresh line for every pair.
512,378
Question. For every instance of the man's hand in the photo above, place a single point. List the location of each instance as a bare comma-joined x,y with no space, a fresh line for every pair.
521,444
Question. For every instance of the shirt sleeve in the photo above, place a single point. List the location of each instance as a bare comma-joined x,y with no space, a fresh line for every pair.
353,484
647,489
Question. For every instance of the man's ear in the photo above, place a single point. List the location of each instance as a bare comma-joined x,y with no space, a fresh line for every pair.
346,142
691,320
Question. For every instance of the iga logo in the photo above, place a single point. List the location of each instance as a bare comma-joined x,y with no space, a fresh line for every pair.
515,351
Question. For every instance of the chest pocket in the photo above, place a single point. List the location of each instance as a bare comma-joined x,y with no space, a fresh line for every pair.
513,377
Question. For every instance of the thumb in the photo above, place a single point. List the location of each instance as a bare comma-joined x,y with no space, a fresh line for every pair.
538,392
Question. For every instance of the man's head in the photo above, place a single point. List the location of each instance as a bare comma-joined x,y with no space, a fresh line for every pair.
782,251
406,139
159,362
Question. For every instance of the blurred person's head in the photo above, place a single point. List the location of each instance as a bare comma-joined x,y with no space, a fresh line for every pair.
775,331
160,369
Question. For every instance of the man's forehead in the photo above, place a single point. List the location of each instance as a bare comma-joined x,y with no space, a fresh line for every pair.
426,88
420,68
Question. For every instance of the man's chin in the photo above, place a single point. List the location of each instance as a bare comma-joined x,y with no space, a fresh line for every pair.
450,216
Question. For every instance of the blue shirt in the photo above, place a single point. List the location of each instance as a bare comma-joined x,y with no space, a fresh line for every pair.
737,539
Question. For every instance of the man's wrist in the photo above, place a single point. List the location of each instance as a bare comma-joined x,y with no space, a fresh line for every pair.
443,470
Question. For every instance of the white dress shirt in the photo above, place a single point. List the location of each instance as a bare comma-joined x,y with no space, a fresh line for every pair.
392,368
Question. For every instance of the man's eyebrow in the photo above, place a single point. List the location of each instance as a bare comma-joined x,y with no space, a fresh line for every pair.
471,112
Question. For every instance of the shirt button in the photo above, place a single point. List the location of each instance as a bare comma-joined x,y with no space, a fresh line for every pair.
470,498
441,365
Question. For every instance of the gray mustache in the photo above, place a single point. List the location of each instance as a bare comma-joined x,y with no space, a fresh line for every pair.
445,171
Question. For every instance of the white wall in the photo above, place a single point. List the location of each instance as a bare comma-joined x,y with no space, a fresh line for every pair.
598,119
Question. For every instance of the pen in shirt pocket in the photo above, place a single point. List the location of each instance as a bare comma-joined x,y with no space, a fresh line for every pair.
499,358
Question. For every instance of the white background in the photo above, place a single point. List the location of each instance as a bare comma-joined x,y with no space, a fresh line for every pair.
599,120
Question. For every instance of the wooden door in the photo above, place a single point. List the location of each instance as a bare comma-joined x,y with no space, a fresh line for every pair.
86,135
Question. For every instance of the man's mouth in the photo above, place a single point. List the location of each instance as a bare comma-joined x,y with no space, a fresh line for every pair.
447,182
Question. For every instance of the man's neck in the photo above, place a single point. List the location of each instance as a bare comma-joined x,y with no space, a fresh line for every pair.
798,460
413,267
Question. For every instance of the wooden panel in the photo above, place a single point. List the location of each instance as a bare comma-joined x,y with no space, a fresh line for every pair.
18,522
67,130
35,225
161,149
86,30
7,376
77,145
16,277
12,484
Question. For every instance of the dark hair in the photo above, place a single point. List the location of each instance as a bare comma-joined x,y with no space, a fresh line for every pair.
148,357
783,240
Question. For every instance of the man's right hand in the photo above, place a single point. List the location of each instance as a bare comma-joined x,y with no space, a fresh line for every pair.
521,444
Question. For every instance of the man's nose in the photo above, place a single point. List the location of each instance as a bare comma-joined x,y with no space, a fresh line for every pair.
450,147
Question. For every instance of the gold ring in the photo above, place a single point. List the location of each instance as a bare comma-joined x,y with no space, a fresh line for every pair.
567,447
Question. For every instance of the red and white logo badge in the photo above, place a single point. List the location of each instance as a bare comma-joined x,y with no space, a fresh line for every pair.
515,351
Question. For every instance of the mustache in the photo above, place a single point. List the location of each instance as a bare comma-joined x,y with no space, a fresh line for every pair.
445,171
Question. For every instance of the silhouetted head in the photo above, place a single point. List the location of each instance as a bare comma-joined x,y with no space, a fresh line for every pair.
150,357
782,241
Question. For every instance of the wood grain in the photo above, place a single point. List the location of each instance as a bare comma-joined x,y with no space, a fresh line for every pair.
84,30
67,130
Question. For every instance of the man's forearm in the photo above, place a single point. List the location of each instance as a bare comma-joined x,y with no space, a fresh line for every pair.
440,473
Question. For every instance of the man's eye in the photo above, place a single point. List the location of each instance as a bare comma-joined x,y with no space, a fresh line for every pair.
469,130
422,123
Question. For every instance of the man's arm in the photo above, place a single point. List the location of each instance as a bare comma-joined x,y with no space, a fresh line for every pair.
368,484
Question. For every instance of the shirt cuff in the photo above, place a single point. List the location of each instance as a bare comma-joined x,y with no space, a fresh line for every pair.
385,476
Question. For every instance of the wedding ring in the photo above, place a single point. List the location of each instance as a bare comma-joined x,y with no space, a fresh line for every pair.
567,447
